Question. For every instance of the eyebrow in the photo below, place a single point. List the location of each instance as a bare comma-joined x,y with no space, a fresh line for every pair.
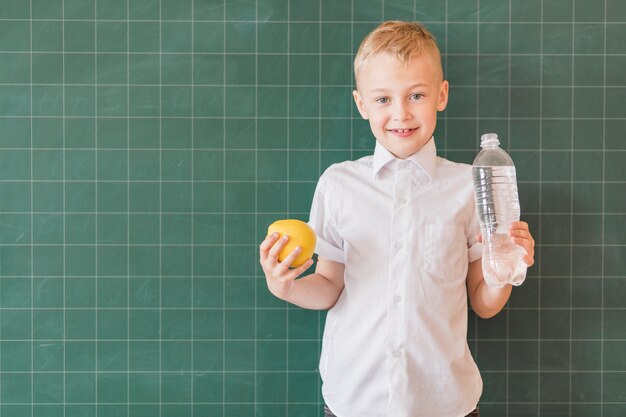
383,90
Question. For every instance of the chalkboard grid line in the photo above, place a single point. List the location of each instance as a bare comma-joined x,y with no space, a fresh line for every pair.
160,210
233,151
32,279
455,86
320,54
512,308
40,403
128,176
257,281
516,118
508,315
63,102
224,219
308,21
192,273
97,344
300,181
571,204
313,340
612,308
602,253
540,272
223,403
315,403
581,277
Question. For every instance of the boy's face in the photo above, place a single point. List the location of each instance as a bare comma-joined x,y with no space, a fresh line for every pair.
401,102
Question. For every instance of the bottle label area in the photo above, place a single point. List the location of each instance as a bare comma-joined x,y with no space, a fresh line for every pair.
497,200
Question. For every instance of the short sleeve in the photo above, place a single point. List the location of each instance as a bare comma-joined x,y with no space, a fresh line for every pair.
322,219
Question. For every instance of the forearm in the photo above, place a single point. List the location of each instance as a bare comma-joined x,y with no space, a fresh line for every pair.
488,301
313,292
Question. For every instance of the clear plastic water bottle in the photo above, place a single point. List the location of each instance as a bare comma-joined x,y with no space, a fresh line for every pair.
497,206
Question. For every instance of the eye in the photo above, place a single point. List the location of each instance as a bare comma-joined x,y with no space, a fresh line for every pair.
382,100
416,96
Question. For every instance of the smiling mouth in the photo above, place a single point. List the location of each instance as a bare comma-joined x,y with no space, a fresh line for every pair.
402,132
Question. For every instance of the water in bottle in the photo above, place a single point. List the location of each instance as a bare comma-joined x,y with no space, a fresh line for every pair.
497,206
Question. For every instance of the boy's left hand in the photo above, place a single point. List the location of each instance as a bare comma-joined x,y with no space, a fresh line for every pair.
520,235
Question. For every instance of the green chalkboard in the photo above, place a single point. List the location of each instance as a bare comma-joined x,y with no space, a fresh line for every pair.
146,145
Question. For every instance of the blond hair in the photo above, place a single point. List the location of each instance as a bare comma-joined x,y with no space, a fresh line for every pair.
404,40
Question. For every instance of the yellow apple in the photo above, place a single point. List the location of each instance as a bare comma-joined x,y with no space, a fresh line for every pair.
300,234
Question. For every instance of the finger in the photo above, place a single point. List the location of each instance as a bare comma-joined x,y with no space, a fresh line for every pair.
523,235
286,263
479,238
525,243
520,233
529,260
528,247
300,270
278,247
521,225
266,245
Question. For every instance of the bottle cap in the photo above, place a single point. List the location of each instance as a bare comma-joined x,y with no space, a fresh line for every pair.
489,139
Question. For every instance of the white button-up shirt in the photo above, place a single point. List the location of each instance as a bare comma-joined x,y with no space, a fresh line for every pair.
395,342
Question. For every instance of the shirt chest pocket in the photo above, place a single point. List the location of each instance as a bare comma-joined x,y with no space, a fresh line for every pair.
445,254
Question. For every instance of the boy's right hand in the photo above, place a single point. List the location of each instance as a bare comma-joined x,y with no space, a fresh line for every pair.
280,278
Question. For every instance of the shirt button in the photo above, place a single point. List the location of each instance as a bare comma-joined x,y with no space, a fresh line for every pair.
401,200
399,245
397,353
397,299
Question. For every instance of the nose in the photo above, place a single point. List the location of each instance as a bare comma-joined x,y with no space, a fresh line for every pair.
401,111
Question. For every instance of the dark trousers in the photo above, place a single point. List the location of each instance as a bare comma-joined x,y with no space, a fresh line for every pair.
328,413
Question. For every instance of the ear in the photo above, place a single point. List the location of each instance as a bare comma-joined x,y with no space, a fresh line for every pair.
359,104
442,101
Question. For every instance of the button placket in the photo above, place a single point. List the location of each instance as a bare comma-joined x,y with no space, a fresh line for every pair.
398,275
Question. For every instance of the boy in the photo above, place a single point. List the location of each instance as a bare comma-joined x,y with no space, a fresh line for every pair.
399,249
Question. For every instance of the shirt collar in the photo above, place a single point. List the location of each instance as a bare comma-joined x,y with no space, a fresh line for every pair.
425,158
